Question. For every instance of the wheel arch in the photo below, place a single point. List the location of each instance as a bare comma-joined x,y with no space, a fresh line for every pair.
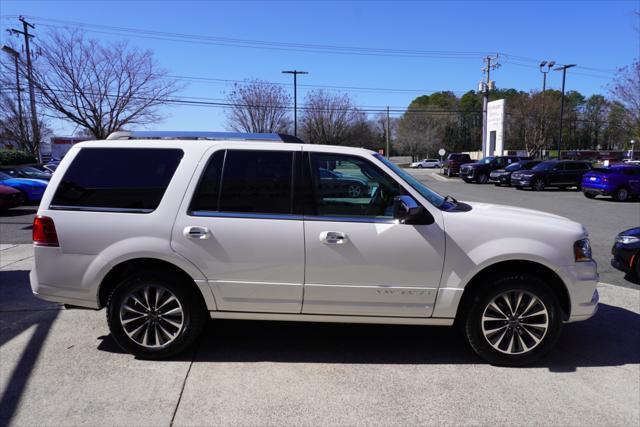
482,279
130,266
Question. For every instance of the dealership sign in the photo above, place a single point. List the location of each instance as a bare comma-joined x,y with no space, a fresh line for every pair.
494,141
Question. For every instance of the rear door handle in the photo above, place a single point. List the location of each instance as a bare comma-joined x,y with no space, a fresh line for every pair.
333,237
197,233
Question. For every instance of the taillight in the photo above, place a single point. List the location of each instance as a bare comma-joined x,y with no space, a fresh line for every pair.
44,231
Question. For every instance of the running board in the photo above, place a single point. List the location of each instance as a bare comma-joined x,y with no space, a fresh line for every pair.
331,318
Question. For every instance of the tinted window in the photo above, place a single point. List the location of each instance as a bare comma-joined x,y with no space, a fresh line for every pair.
117,178
257,182
632,171
206,197
514,167
577,166
544,166
360,189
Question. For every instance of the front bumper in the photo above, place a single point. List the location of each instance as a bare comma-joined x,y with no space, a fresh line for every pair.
467,173
581,280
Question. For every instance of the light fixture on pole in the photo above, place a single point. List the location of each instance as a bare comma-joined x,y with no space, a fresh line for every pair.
564,76
295,97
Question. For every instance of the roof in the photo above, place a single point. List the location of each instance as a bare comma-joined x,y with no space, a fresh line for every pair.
220,136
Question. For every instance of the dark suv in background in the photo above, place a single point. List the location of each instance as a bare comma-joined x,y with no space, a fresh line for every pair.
503,176
452,165
480,170
552,173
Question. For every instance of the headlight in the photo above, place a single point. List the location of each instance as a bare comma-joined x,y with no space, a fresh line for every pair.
625,240
582,250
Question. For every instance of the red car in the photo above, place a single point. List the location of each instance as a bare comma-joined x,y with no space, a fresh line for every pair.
10,197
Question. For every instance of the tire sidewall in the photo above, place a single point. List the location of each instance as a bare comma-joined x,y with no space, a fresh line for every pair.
473,327
192,312
617,196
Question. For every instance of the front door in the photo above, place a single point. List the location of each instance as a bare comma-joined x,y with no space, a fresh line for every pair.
359,261
238,229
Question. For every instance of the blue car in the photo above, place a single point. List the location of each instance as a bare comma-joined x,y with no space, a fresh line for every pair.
33,189
620,182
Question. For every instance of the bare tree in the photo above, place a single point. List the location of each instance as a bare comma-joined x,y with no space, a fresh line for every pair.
101,88
329,118
258,106
15,122
419,133
626,90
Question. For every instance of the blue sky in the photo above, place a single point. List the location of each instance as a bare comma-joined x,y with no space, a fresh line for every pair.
600,36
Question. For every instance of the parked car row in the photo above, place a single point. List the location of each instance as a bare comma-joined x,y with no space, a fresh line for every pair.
23,184
621,182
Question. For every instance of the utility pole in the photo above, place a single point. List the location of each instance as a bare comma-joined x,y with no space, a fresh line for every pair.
543,65
32,99
485,88
16,58
564,76
387,150
295,97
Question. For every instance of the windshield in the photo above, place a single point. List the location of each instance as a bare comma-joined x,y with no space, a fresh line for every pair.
5,176
434,198
544,166
486,160
513,167
28,170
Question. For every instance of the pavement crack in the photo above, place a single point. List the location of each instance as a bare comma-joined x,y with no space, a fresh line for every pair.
184,383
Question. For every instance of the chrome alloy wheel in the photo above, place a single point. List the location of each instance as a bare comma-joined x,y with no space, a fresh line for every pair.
152,316
515,322
354,190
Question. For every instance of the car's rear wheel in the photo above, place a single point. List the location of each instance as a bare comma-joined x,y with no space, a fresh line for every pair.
155,316
467,180
354,190
590,195
482,178
513,322
621,194
538,184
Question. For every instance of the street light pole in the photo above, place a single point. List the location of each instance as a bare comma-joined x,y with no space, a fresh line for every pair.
295,97
16,57
632,142
564,76
543,65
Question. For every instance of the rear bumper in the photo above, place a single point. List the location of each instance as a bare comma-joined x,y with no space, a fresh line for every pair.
58,294
602,190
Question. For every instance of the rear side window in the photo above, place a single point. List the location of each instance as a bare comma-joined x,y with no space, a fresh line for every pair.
117,179
246,181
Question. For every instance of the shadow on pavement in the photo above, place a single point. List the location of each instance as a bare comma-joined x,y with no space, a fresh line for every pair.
19,312
610,338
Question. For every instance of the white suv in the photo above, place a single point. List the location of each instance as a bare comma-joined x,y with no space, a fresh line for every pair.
166,230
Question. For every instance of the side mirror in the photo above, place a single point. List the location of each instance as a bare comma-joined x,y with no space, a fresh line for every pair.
407,211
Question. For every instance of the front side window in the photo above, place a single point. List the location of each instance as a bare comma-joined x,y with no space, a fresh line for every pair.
246,181
127,179
350,186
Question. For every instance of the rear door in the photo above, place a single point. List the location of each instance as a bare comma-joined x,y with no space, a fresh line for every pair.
239,228
359,260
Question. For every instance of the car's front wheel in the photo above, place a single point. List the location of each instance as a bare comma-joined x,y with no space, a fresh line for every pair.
514,322
482,178
538,184
155,316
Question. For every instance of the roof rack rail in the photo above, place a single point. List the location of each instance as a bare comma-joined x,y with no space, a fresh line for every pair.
224,136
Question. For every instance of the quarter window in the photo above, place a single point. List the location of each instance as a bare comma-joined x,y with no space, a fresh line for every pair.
126,179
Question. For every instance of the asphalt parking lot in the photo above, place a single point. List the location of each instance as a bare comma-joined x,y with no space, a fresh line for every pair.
61,367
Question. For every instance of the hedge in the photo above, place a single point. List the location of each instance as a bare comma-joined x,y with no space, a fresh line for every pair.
15,157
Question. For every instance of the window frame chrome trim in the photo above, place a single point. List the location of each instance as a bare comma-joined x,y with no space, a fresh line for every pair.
100,209
248,215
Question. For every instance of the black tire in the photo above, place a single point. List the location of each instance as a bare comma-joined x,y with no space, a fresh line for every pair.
518,187
419,166
482,178
589,195
497,184
193,315
467,180
621,194
478,332
538,184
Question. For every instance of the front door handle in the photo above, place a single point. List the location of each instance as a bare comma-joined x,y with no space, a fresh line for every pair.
333,237
197,233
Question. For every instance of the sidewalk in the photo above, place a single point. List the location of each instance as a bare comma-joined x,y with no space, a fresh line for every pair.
15,257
